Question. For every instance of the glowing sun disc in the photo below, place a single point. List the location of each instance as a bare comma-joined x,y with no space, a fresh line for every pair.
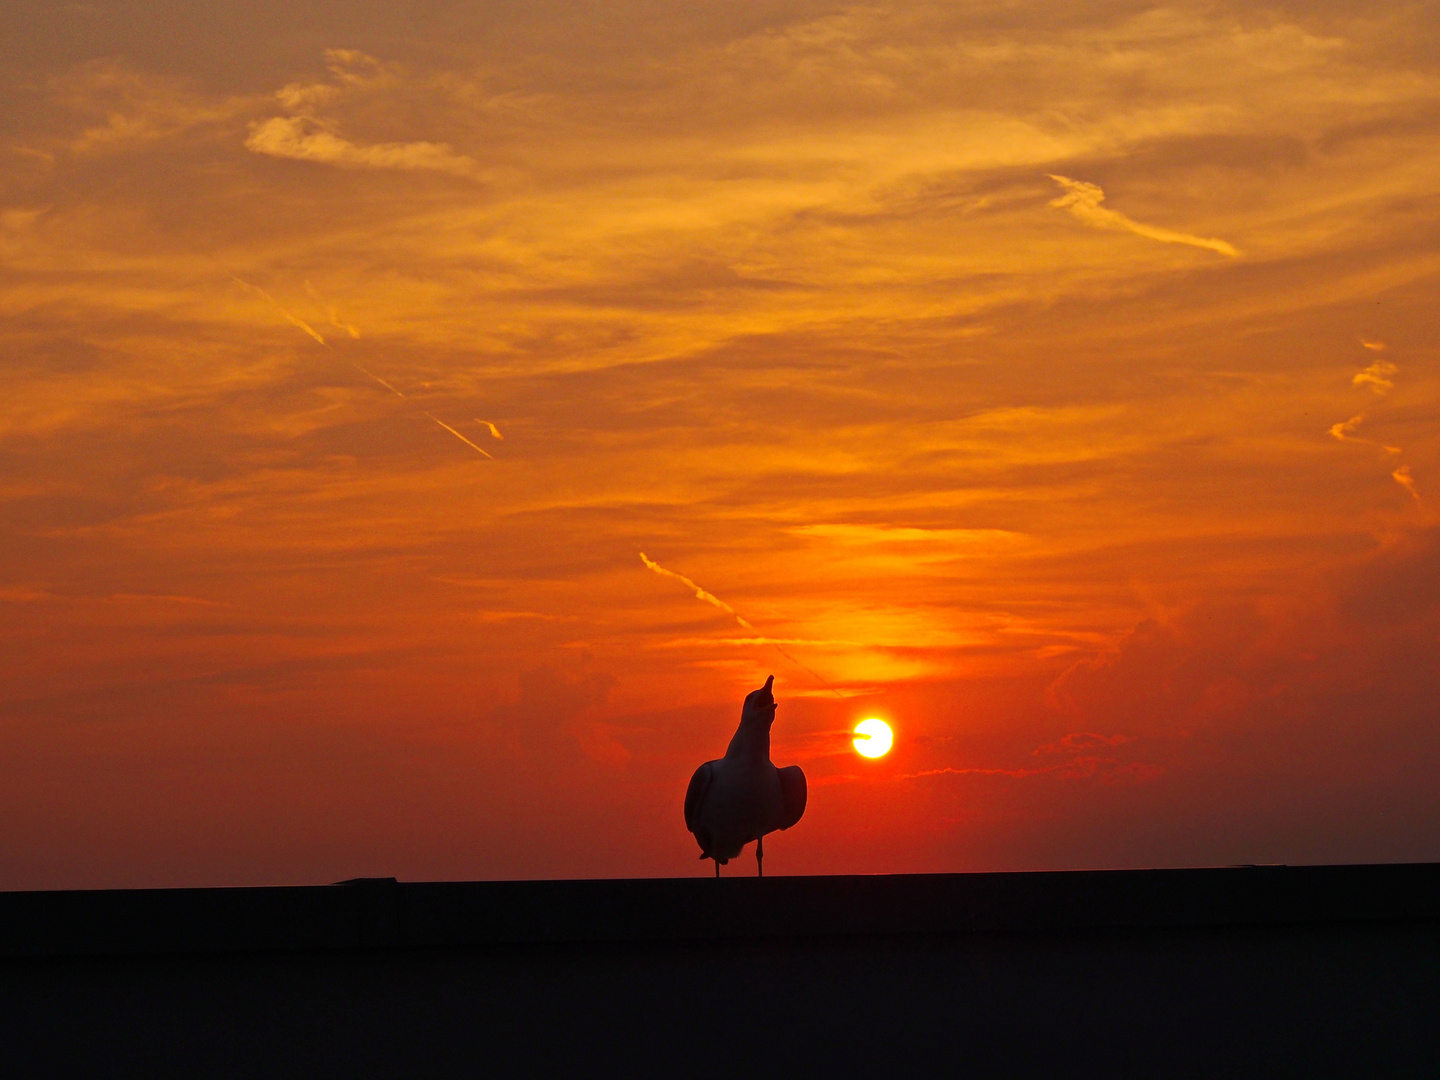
873,738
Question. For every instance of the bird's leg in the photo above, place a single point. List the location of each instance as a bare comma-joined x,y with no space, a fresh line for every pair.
760,855
717,868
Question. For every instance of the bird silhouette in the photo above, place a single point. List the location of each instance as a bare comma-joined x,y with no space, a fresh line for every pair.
743,796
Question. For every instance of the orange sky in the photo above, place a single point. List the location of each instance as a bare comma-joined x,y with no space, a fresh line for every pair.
1058,382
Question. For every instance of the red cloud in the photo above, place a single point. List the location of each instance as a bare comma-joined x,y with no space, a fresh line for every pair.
1079,741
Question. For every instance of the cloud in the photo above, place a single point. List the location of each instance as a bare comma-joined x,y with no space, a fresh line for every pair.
309,132
1083,200
747,642
544,723
1082,740
1109,770
1404,479
1398,584
861,535
303,139
138,108
1172,674
1344,431
350,69
1105,770
24,594
1378,376
494,431
924,774
511,616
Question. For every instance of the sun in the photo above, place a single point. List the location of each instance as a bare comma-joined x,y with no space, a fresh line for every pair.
873,738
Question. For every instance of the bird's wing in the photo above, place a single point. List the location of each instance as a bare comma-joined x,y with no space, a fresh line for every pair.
695,795
792,790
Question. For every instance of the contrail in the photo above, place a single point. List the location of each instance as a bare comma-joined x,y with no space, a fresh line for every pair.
700,594
457,434
495,431
1083,200
714,601
378,379
331,311
303,325
293,319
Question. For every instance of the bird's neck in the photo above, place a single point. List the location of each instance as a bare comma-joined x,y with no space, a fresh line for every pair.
751,743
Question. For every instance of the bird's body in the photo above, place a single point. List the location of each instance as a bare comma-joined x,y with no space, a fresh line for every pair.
742,796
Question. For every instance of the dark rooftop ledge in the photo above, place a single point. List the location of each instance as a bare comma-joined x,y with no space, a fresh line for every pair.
383,913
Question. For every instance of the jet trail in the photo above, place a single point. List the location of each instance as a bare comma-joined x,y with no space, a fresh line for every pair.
1083,199
457,434
700,594
295,320
714,601
290,316
378,379
331,311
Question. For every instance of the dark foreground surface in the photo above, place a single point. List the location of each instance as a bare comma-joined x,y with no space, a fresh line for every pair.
1247,971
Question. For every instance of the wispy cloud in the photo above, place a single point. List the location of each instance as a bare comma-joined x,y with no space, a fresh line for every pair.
349,69
861,535
139,108
1083,200
1379,376
1108,771
494,431
23,594
1079,741
1345,429
303,139
924,774
309,131
1345,432
1402,477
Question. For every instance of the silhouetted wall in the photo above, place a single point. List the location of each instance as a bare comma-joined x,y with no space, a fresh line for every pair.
1299,971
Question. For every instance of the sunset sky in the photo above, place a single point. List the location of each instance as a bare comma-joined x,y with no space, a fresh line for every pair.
1057,382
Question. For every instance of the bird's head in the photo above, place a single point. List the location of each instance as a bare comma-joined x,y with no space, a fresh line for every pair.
759,706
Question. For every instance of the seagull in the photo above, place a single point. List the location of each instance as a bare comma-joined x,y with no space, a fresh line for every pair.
742,796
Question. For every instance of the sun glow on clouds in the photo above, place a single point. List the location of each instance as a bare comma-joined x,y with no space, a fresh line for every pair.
923,338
